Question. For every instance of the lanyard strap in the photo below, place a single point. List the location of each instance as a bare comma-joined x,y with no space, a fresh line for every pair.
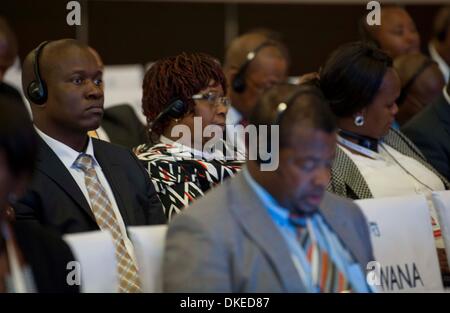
364,151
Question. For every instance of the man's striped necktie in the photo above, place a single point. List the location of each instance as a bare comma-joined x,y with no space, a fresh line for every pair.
327,277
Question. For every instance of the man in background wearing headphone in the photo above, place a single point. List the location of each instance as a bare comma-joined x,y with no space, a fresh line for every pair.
274,231
397,34
253,63
82,184
439,46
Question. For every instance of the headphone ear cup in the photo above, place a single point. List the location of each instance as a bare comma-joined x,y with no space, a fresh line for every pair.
178,109
239,83
372,42
37,92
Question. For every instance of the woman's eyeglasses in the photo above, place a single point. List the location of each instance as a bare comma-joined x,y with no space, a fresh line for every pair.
214,99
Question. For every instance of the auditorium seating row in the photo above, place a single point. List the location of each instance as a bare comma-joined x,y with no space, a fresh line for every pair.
400,228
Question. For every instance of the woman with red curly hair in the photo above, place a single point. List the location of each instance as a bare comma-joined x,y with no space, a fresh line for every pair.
183,100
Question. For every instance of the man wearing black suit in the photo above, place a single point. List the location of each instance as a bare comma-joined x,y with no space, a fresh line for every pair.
81,184
430,131
55,198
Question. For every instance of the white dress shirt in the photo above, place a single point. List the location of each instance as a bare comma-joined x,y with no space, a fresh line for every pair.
446,95
443,66
68,156
234,118
385,177
102,135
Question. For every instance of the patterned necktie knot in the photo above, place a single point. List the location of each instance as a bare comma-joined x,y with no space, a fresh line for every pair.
297,220
326,276
84,162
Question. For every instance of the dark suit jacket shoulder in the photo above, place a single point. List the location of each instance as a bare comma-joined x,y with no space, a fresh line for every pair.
55,200
353,230
430,132
48,256
10,95
123,127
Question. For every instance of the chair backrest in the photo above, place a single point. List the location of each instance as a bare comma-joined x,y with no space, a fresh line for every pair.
148,242
96,256
13,77
441,201
123,84
403,244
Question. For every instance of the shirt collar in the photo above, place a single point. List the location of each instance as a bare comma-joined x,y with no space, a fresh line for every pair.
440,61
233,116
446,95
66,154
278,213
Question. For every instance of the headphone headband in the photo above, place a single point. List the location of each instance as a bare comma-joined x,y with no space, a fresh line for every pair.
239,80
37,89
281,112
284,106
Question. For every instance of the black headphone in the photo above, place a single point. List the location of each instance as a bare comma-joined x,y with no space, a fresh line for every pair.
238,82
37,89
302,90
282,107
176,109
363,141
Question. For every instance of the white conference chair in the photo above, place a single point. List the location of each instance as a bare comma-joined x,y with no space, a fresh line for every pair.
148,242
96,256
13,77
123,84
403,244
441,201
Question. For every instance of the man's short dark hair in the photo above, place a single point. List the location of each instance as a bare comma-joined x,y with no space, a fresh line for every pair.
306,107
